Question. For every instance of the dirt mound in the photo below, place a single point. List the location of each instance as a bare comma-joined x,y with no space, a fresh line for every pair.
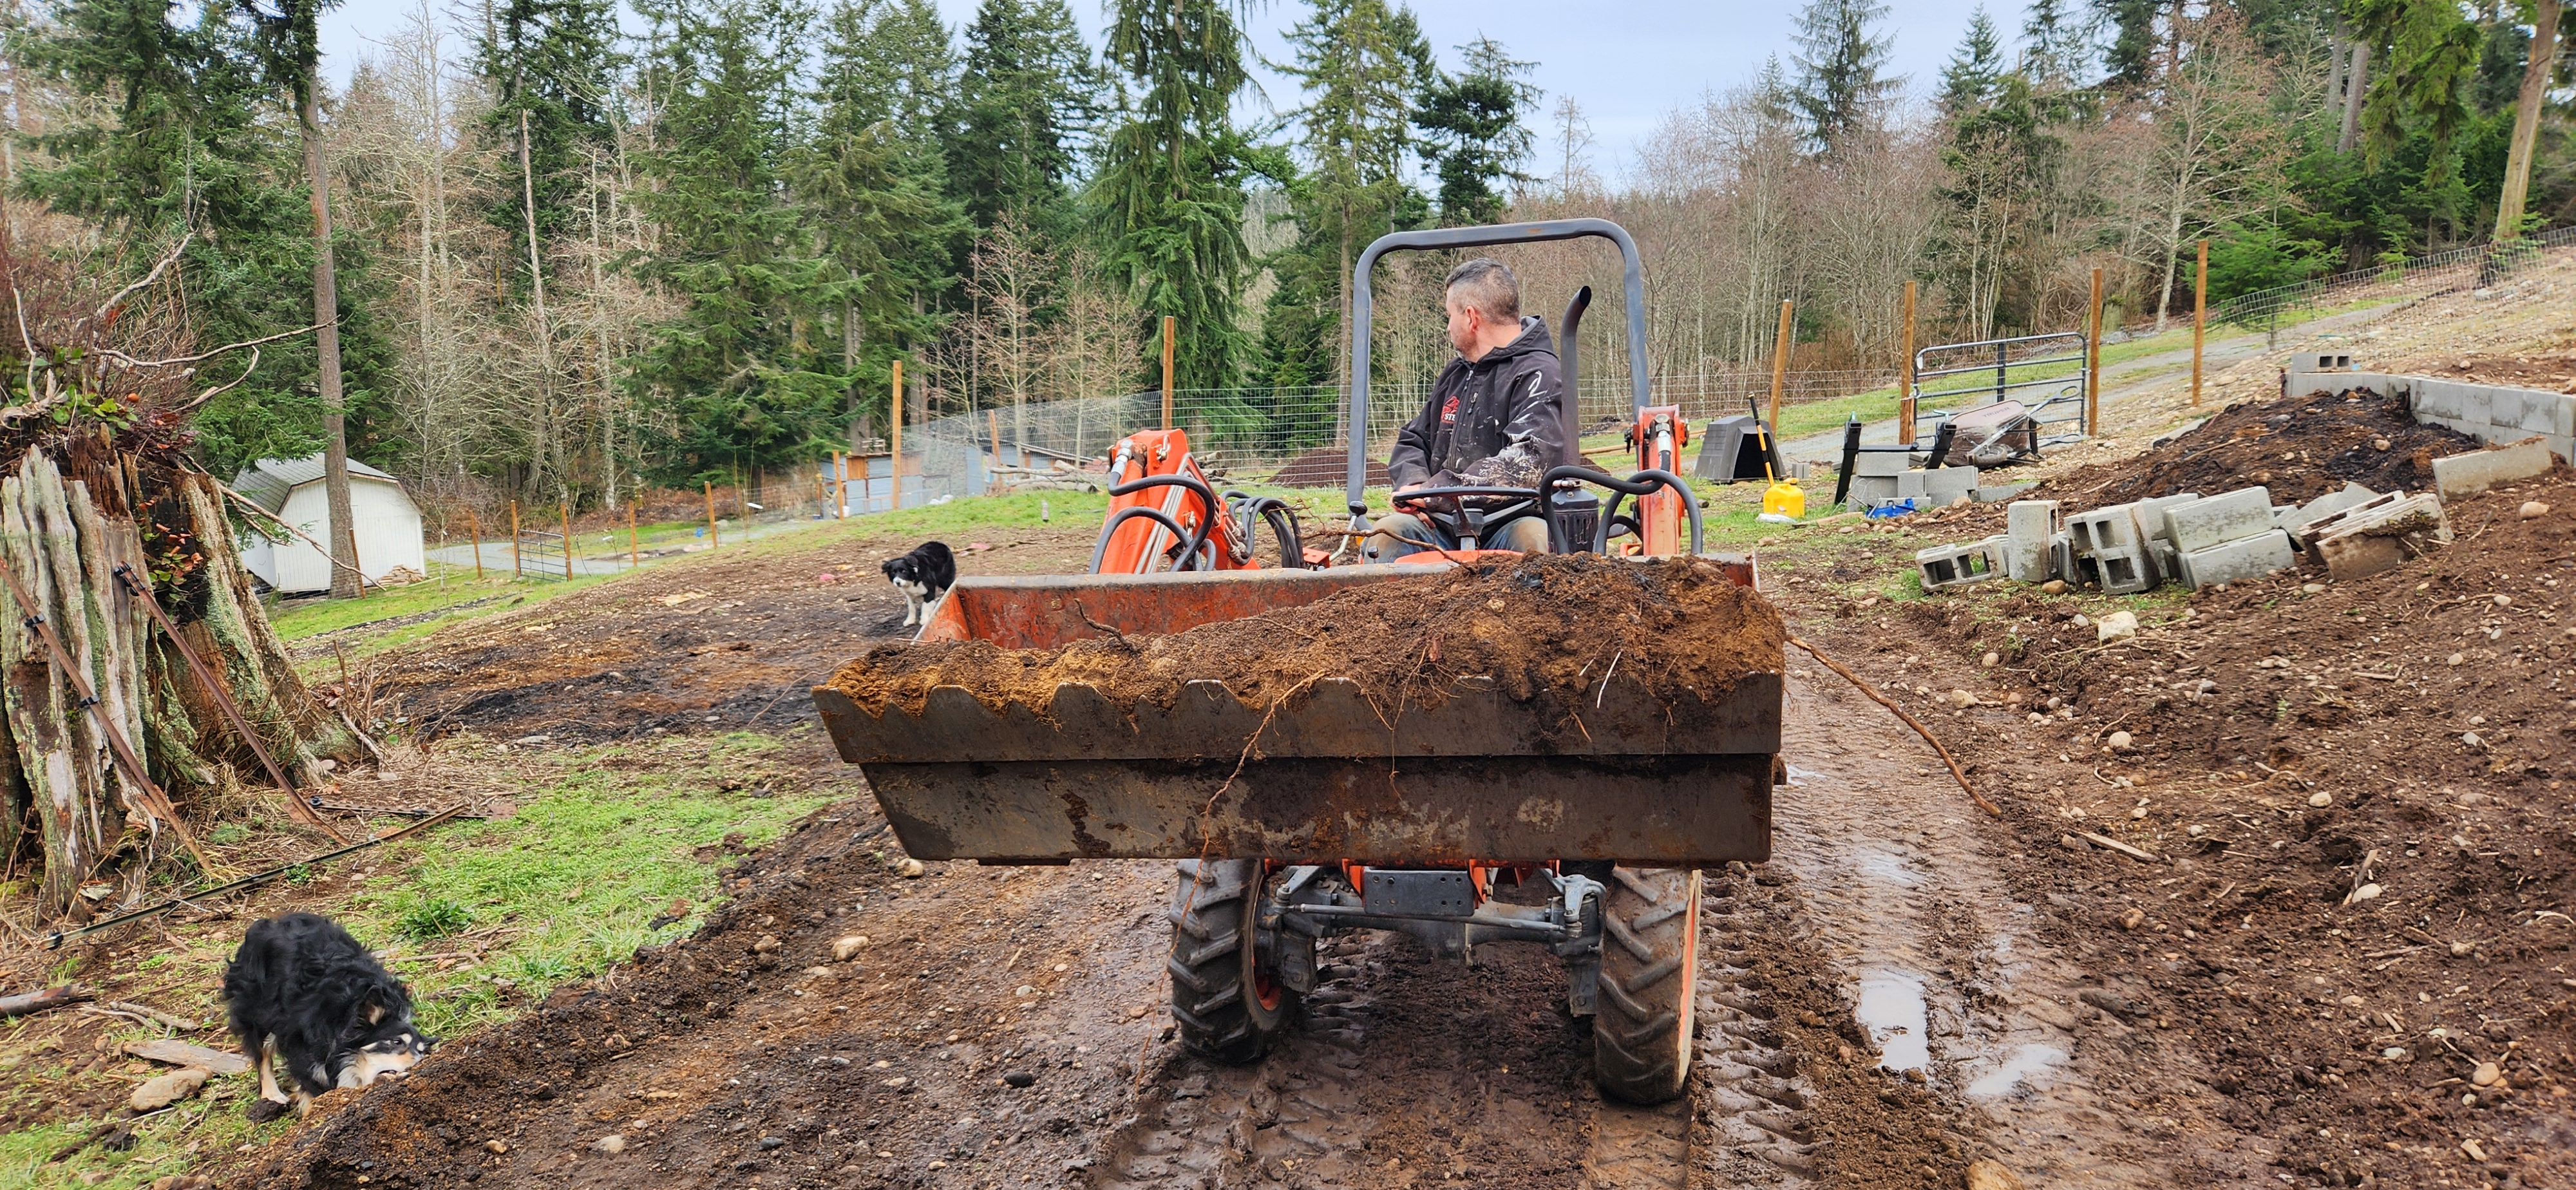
1537,624
2403,735
2300,448
1327,467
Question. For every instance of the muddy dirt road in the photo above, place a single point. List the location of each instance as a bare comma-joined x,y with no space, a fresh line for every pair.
1908,987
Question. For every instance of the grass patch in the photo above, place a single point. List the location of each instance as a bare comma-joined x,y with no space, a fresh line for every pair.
296,619
603,844
605,840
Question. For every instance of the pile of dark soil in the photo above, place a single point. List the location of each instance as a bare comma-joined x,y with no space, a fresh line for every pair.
1327,467
1537,624
2299,447
2282,747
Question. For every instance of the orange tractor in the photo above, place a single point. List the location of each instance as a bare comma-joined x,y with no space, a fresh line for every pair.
1311,836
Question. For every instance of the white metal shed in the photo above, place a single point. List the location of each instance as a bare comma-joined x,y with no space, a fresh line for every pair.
387,522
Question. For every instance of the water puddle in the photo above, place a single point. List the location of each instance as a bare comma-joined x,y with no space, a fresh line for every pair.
1891,1008
2025,1062
1887,867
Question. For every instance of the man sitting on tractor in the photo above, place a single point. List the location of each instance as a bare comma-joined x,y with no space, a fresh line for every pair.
1492,420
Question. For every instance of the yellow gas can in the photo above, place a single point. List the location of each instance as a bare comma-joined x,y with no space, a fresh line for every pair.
1783,499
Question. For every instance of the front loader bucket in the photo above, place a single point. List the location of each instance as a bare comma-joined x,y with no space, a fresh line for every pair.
1642,778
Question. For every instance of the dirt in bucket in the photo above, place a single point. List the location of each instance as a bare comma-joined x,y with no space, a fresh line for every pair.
1536,625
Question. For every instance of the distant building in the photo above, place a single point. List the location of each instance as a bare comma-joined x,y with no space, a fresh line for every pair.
387,522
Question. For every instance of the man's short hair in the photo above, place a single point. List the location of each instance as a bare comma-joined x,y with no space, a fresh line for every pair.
1489,286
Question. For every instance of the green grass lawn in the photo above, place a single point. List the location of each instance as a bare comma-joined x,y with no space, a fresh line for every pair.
447,587
605,839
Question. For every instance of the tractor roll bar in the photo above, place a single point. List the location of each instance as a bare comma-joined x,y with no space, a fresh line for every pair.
1481,237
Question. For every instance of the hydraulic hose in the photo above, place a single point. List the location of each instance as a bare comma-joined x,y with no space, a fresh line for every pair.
1207,516
1640,484
1122,516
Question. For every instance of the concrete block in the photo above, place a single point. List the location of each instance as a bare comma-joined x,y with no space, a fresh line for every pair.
1946,566
2168,560
1869,489
1909,483
2218,519
1883,462
2383,535
2151,514
2061,558
1998,493
2548,413
2319,361
2238,560
2361,512
2297,520
2110,551
1947,484
2030,526
2460,475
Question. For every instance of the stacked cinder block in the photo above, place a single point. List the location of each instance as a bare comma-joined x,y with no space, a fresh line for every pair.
2228,538
2032,530
2160,543
1879,476
2110,550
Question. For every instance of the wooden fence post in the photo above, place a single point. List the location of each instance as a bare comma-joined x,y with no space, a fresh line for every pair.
714,538
2093,364
474,525
1905,373
840,486
867,483
565,508
1170,325
634,542
2199,318
1779,365
514,540
895,449
993,419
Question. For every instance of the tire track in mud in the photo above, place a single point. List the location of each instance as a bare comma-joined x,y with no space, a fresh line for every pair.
1402,1068
1902,892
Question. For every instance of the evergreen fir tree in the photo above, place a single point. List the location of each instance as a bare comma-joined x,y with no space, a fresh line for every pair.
1028,93
555,62
183,145
1171,181
1475,130
877,198
1360,64
2136,41
1841,87
2049,46
741,365
1969,81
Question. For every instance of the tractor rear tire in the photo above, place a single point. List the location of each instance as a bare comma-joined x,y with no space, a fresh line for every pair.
1641,1030
1227,1008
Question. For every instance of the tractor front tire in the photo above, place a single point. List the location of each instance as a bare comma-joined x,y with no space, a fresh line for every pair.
1226,1007
1641,1030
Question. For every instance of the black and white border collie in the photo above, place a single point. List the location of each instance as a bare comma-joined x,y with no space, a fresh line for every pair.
924,576
303,995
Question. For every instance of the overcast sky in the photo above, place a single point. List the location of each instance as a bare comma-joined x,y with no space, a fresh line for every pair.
1627,62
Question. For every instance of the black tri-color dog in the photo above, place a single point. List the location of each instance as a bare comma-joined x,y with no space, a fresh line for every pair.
308,999
924,576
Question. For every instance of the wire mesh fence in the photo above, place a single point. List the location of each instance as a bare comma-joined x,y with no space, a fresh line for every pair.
1253,433
2465,267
